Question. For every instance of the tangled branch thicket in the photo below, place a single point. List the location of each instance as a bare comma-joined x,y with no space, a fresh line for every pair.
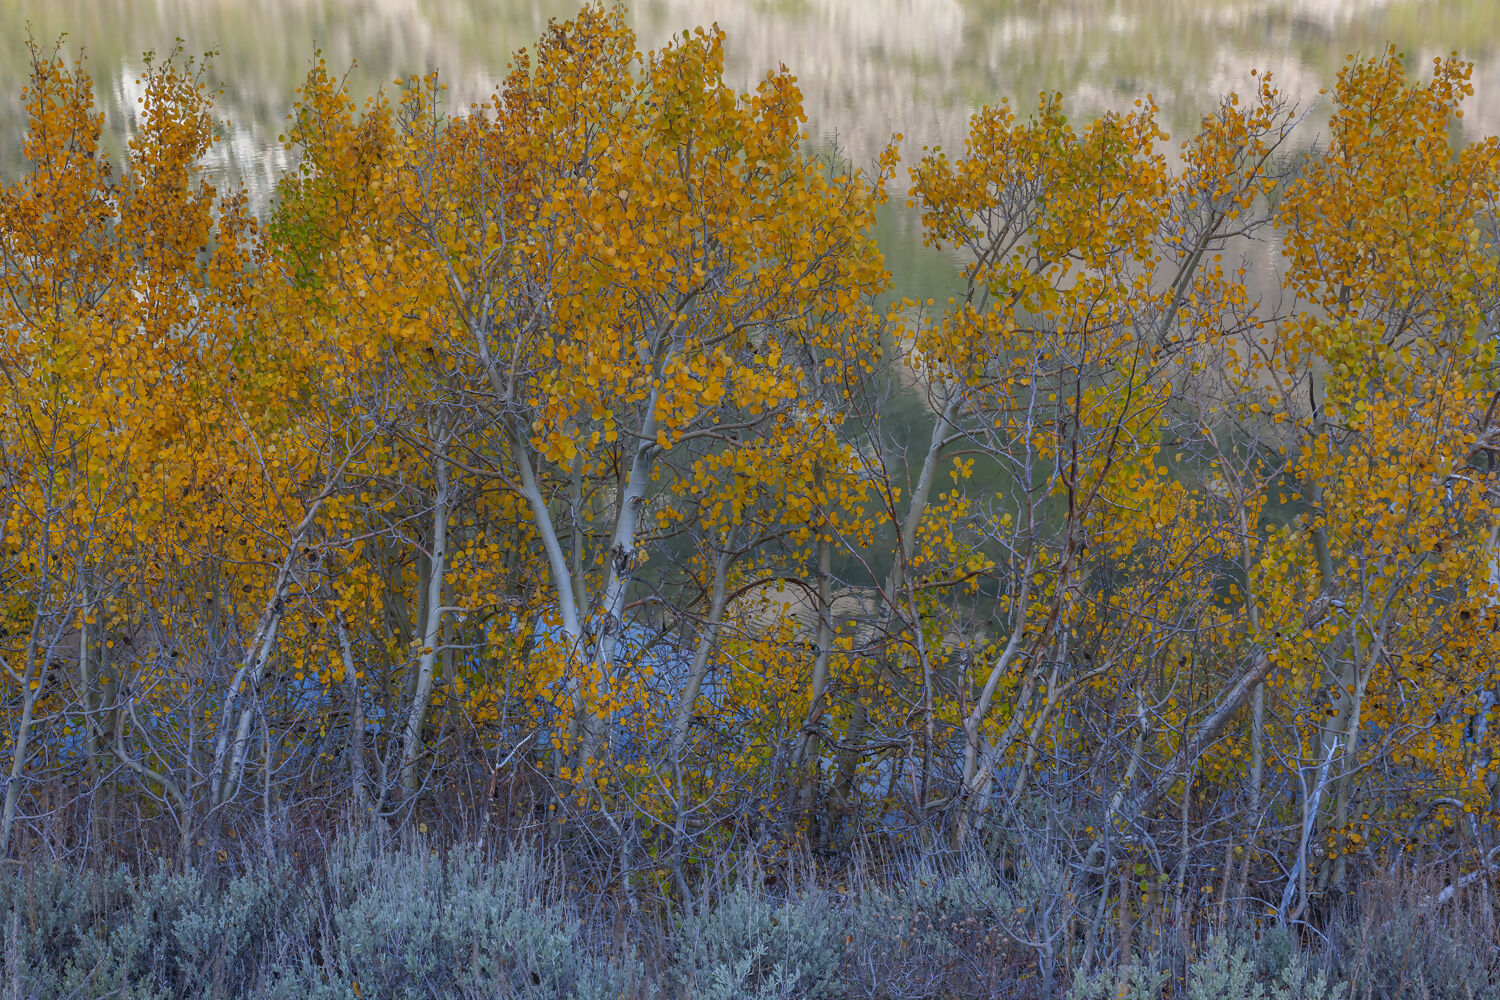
557,475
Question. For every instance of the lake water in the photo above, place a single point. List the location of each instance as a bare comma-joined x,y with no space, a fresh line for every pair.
868,68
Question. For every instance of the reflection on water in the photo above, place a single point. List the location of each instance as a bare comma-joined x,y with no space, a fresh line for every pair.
868,68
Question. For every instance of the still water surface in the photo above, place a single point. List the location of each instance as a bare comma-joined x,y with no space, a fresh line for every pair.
868,68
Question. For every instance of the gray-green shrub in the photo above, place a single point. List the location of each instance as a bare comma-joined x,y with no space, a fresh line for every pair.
756,946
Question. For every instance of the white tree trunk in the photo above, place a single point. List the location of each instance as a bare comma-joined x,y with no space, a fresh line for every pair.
33,675
707,640
431,627
229,758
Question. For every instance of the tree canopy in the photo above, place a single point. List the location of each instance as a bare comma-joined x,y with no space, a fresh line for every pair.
561,462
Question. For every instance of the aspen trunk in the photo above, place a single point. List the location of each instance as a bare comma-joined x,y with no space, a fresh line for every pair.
89,704
358,771
33,676
979,756
805,762
431,626
707,640
229,756
621,562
